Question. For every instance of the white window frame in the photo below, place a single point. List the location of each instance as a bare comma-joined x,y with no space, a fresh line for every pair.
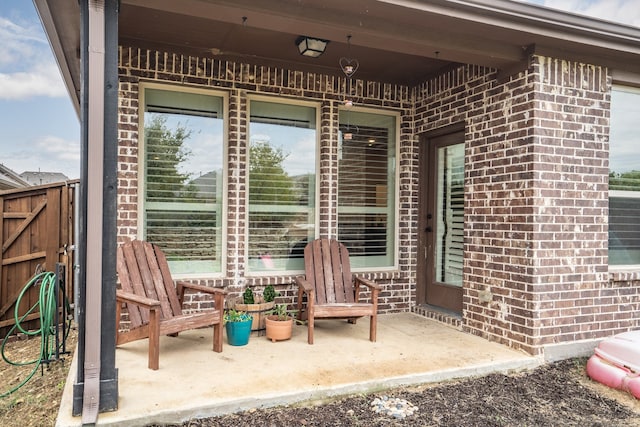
142,179
396,188
293,102
622,193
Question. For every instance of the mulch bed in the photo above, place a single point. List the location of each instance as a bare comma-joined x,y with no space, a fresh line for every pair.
557,394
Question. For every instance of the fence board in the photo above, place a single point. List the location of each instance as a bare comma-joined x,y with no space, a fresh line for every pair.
36,231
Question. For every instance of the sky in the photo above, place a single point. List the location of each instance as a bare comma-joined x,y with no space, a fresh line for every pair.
39,128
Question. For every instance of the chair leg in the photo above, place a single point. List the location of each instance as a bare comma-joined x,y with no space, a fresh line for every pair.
217,337
118,314
299,304
373,327
154,339
310,329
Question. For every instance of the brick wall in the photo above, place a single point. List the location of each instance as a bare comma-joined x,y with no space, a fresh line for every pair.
536,206
239,80
535,252
571,186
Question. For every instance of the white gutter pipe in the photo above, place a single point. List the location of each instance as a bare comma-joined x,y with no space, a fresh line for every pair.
95,150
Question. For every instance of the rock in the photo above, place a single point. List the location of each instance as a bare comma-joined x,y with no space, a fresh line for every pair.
393,407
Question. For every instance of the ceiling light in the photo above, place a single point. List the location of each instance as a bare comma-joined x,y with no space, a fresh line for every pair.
311,47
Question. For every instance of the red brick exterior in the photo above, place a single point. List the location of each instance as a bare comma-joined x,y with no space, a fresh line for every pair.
536,202
238,80
536,183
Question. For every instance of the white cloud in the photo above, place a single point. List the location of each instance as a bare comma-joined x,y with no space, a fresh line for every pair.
206,153
58,148
27,67
47,154
301,155
17,42
44,81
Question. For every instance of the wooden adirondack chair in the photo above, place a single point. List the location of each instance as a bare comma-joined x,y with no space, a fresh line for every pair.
154,303
332,291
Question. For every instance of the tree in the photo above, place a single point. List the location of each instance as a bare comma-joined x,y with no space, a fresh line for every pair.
269,183
629,181
165,150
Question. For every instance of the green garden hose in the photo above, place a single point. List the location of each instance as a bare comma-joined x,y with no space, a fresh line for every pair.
48,308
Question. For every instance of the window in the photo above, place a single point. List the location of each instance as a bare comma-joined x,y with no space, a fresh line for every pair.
282,183
624,177
366,187
183,167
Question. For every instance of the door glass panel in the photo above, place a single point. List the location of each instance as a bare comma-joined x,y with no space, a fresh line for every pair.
450,215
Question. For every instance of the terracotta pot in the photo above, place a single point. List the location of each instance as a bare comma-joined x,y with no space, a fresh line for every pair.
278,330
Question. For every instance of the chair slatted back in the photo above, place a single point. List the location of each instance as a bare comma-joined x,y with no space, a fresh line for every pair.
328,270
143,270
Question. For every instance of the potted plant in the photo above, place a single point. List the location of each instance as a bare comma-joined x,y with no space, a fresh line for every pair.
279,323
238,326
257,305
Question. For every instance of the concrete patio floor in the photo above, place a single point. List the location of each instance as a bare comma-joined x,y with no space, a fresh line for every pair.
195,382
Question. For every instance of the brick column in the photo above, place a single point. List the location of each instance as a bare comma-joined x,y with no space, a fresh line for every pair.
537,207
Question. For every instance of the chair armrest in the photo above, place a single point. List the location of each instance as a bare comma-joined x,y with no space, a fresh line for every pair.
128,297
218,294
368,283
304,284
304,287
199,288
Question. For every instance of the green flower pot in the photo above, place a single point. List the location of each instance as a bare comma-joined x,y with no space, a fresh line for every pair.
238,332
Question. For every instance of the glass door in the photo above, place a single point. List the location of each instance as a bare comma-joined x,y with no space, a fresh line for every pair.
444,221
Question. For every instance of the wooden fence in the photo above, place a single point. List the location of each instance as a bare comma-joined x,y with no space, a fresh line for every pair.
37,231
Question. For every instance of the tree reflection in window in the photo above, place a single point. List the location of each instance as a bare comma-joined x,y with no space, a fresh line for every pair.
183,165
281,185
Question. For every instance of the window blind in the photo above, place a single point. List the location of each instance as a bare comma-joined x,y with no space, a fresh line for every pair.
281,185
366,208
183,178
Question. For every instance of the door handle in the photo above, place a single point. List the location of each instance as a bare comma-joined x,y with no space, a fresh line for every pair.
429,229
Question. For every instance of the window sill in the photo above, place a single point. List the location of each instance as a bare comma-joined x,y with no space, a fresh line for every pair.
624,273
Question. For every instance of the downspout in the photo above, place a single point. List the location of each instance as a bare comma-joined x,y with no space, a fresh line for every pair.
93,312
81,284
97,220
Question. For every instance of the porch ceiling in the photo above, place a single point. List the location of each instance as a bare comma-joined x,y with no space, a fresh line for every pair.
263,40
396,41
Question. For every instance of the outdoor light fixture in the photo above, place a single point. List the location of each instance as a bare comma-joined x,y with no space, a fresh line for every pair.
311,47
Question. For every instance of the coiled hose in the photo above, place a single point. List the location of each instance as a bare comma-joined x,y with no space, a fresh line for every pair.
48,307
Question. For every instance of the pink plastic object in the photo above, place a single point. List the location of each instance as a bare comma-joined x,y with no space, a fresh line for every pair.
616,362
